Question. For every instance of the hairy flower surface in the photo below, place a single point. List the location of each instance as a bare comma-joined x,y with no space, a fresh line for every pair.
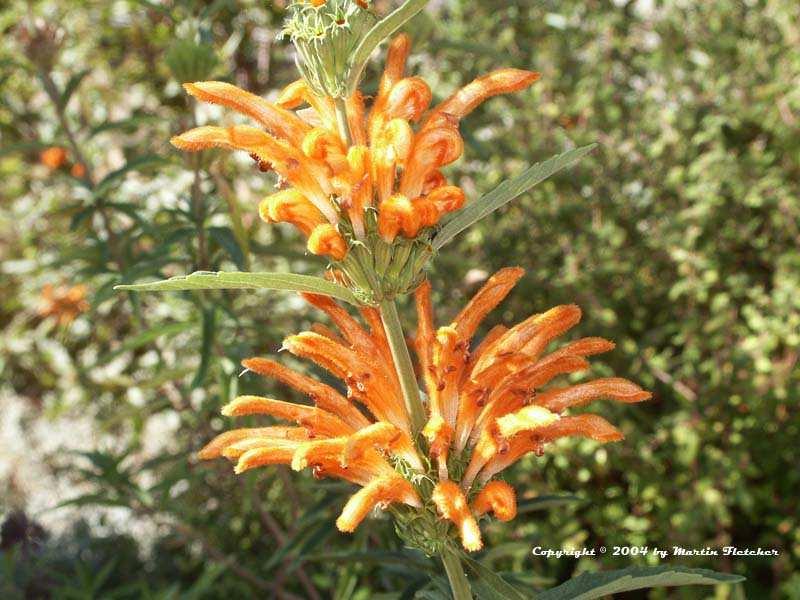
382,177
489,404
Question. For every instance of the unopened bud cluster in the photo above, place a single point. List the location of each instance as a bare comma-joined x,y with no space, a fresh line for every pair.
326,35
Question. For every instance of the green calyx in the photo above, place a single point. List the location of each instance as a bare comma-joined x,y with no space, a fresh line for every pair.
326,38
423,529
377,270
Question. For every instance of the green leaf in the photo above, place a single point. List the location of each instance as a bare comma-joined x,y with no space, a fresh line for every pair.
599,585
506,192
22,147
132,165
402,558
209,330
488,585
72,86
93,499
208,280
546,502
225,237
129,125
147,337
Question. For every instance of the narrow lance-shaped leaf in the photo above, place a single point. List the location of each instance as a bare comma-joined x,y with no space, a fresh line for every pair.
506,192
599,585
490,585
546,502
208,280
134,164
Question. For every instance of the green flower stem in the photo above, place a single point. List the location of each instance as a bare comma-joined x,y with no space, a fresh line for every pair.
459,584
402,363
341,120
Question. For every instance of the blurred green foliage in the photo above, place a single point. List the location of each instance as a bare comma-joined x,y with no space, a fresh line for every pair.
678,237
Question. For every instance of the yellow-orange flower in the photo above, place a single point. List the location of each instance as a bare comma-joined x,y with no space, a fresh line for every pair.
53,157
489,404
391,159
63,303
78,170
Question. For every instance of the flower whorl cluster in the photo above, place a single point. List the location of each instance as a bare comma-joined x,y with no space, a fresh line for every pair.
364,192
488,405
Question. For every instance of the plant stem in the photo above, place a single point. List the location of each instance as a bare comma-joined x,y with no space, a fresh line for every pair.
459,584
402,363
340,107
52,92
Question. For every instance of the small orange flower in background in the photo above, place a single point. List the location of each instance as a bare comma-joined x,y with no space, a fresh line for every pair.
489,404
53,157
389,162
78,171
63,303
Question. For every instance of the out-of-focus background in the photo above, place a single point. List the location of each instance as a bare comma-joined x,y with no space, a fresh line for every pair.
679,238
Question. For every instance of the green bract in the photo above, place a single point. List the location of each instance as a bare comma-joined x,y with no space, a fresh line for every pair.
326,38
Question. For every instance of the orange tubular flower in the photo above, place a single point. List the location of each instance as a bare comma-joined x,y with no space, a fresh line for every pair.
53,157
486,408
391,161
64,304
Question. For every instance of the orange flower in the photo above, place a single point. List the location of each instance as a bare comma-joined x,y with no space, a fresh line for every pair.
486,407
78,171
53,157
63,303
386,163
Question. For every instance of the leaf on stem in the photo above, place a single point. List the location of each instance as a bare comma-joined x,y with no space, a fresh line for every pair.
208,280
599,585
506,192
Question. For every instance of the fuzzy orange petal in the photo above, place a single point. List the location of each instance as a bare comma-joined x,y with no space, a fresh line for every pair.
497,497
500,81
622,390
290,206
452,505
433,148
492,293
278,121
408,99
216,446
318,421
324,396
325,240
382,491
277,453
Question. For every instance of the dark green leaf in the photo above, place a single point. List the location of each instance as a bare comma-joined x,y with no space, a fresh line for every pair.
147,337
129,125
72,86
207,280
598,585
209,329
132,165
546,502
225,238
488,585
410,560
506,192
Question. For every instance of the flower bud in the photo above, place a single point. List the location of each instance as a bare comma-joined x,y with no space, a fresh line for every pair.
326,34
